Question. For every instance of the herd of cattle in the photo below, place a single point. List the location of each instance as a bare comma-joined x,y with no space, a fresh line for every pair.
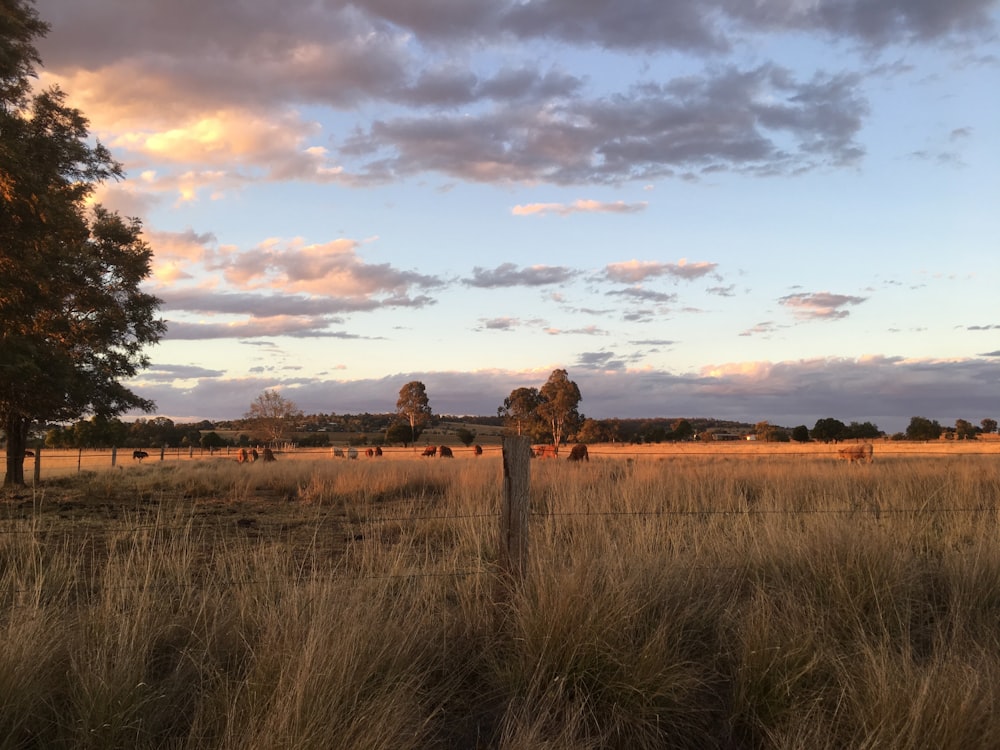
861,453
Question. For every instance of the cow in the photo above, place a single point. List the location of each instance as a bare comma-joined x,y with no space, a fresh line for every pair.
254,455
242,457
268,455
862,453
545,451
579,453
139,455
478,449
430,450
370,453
338,452
445,452
378,451
352,453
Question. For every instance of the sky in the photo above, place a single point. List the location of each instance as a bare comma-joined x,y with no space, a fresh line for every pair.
779,210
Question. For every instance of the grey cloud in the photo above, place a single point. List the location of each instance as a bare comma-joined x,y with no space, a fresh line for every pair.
167,372
760,121
645,295
508,275
990,327
600,361
886,391
262,305
296,327
634,271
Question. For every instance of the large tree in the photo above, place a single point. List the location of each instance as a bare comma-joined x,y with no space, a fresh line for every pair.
560,399
273,416
414,405
520,410
74,321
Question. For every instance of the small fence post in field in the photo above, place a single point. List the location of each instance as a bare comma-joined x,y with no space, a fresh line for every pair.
163,450
79,459
114,456
37,476
515,507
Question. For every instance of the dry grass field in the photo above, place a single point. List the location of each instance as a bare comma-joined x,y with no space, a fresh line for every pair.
736,595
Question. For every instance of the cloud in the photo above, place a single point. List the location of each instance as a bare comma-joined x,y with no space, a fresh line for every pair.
760,121
644,295
509,275
580,206
764,329
633,271
278,325
885,390
820,305
585,331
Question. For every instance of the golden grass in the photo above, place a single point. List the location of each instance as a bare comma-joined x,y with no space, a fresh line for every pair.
750,597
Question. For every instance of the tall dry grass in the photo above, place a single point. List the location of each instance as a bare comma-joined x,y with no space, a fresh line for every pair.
729,601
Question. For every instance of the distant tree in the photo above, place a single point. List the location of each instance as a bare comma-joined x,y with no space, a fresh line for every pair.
272,416
520,410
681,430
800,434
74,319
862,431
965,430
828,429
400,432
465,436
988,425
212,440
592,431
414,405
921,428
560,399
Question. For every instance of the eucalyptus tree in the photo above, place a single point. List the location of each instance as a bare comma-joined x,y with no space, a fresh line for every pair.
74,319
414,404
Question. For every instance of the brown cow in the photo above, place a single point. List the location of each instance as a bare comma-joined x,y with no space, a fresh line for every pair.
268,455
545,451
579,453
254,455
430,450
478,450
445,452
862,453
242,457
378,450
370,453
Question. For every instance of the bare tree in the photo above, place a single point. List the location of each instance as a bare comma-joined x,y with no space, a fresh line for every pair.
272,415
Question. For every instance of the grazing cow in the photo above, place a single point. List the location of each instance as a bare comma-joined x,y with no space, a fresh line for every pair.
430,450
862,453
338,452
370,453
268,455
445,452
545,451
579,453
139,455
254,455
242,457
378,450
352,453
478,450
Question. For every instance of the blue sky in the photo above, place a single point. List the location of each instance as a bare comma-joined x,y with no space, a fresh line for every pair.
782,210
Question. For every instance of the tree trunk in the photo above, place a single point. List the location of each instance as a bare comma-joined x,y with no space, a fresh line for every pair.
17,440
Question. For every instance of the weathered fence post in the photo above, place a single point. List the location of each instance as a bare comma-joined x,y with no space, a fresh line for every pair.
114,456
37,476
515,507
163,450
79,459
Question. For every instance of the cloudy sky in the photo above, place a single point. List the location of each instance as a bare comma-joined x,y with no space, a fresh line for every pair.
774,210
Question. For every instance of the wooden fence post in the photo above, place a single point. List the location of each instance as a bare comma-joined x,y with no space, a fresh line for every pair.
515,507
114,456
37,476
79,459
163,450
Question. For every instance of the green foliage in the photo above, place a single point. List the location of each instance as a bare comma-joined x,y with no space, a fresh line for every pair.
400,432
519,411
74,321
212,440
560,399
921,428
465,436
414,404
800,434
829,429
